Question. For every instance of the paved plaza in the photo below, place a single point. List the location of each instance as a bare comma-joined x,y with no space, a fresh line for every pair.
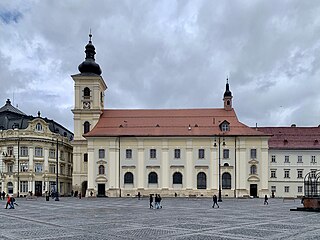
180,218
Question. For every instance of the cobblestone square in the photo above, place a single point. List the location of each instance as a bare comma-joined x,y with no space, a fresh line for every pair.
180,218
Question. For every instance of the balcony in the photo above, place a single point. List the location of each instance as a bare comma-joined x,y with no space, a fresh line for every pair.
8,158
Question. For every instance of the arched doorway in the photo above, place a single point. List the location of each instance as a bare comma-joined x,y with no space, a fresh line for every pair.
201,180
84,187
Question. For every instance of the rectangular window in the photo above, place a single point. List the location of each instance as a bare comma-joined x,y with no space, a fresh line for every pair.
153,153
10,167
286,189
286,173
62,155
23,167
38,167
52,168
38,152
286,159
313,173
177,153
101,153
299,189
273,158
299,159
23,151
253,153
273,174
273,188
85,157
313,159
299,173
52,153
10,151
201,154
24,186
225,153
69,171
128,153
62,170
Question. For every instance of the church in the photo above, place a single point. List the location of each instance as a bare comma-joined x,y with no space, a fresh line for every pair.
172,152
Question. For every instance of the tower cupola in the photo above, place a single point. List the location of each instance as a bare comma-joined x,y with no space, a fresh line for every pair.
89,65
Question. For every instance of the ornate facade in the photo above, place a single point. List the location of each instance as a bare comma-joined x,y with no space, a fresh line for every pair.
32,149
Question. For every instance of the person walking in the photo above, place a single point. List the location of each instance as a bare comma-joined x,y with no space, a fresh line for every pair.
159,201
151,201
139,195
215,201
3,195
265,200
9,202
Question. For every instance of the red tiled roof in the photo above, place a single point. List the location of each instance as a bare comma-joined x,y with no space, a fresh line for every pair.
293,137
169,122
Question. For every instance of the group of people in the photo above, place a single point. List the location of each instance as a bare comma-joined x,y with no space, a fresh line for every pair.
157,201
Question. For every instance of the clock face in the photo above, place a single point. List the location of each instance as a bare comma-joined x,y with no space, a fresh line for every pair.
86,105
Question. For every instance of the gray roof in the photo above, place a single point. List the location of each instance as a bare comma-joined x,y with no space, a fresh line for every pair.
9,108
11,117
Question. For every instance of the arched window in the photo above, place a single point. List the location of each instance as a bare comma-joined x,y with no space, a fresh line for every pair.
38,127
201,180
101,169
226,165
226,181
177,178
86,127
253,169
228,102
86,93
128,178
153,178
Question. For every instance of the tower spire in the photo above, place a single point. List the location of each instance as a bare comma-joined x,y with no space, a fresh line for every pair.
227,97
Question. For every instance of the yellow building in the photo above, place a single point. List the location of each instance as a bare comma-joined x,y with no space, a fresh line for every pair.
188,152
32,149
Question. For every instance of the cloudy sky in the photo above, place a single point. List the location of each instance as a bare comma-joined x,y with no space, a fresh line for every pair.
166,54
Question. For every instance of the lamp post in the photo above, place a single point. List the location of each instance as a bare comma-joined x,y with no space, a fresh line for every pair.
57,176
18,167
219,159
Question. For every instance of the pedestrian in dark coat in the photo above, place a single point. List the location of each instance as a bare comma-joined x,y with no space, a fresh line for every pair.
215,201
151,201
265,200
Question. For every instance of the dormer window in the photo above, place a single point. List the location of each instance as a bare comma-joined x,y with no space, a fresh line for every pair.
225,126
38,127
86,93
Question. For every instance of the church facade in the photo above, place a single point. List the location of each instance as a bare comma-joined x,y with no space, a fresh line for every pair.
184,152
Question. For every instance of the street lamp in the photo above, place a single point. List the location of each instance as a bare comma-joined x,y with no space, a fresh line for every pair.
57,176
17,129
18,167
219,157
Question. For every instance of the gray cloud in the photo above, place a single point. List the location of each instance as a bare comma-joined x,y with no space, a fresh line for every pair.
166,54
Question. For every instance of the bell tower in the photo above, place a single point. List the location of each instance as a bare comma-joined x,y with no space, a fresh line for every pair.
89,88
227,98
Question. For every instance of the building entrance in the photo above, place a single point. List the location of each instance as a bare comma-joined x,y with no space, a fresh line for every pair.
253,190
38,188
101,190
